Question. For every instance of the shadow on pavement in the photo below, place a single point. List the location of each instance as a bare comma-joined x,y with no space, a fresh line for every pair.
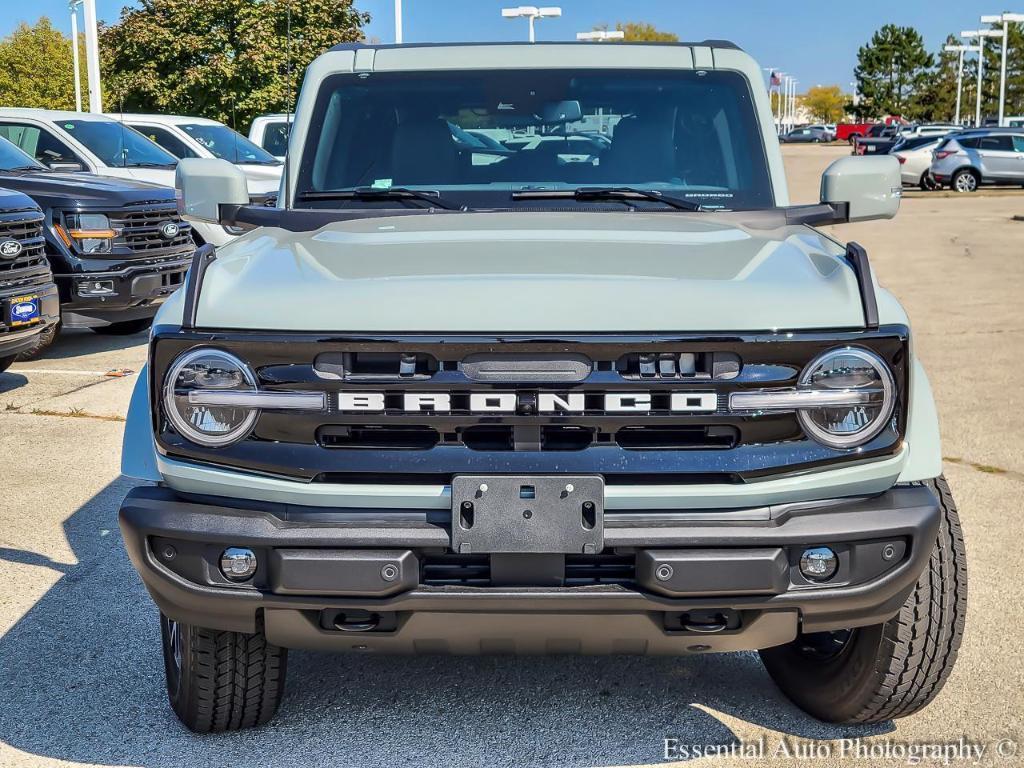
81,341
11,381
83,681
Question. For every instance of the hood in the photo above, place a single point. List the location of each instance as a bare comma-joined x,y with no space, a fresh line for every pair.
163,177
532,272
262,175
84,190
12,200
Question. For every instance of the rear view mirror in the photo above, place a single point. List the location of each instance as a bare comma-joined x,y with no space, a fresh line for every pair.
556,112
203,185
867,187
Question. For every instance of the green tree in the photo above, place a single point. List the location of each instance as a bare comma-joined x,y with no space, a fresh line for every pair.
891,68
36,68
223,59
826,103
935,99
641,31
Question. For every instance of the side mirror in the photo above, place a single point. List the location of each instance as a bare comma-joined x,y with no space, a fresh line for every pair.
867,187
67,166
203,185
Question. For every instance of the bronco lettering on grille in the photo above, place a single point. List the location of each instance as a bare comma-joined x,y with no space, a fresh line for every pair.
510,402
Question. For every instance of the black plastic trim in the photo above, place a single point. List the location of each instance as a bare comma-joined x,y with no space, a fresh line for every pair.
201,260
858,258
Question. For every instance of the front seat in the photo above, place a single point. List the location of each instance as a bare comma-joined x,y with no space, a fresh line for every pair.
642,151
424,152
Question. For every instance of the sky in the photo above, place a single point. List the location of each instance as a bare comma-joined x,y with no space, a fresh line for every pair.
816,42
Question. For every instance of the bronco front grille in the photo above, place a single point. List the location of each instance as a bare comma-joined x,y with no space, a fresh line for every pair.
683,430
30,267
447,570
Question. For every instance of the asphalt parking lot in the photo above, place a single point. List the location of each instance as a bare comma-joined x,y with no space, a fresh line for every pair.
81,678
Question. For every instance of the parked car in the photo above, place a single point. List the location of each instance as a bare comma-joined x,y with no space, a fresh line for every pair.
1016,121
538,405
271,133
200,137
967,160
914,154
878,141
829,131
929,129
81,141
806,135
28,295
117,247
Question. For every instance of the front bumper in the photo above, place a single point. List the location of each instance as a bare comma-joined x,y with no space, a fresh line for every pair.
136,291
16,339
367,580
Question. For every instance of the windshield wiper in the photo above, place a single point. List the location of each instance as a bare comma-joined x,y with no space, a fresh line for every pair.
25,168
147,164
382,193
608,193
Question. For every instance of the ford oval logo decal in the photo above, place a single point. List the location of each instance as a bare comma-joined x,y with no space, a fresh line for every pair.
169,230
10,248
25,309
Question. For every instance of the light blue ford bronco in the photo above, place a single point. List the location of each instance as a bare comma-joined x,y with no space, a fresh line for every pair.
534,355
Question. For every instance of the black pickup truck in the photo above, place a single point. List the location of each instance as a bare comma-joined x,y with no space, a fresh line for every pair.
28,296
117,247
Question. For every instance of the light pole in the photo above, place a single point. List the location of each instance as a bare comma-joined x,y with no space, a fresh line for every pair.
981,34
92,57
398,22
600,35
1005,18
961,50
73,7
532,13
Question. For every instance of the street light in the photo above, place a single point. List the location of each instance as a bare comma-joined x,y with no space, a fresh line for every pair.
398,22
961,49
1005,19
531,12
600,35
981,34
73,7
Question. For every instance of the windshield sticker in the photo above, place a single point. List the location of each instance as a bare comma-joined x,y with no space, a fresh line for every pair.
381,184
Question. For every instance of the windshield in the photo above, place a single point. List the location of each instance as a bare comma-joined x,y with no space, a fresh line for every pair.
485,134
117,145
226,144
12,158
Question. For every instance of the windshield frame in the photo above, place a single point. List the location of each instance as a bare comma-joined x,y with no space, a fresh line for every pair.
759,175
159,157
193,132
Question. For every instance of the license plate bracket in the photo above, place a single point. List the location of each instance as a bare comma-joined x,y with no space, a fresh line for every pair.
20,311
551,514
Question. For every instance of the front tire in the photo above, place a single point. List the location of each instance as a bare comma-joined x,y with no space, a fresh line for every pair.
890,670
221,681
43,340
127,328
928,183
7,362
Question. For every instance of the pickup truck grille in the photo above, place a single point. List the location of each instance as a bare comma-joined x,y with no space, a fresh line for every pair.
30,267
139,232
656,443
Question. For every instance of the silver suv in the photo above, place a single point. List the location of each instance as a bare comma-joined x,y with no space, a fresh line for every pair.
967,160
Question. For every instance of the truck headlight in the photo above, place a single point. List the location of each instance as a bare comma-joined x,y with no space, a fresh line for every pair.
862,393
90,232
209,371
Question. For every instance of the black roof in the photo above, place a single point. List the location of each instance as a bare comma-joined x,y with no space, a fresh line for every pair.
379,46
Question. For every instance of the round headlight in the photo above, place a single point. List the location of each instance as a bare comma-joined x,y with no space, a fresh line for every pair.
854,371
208,425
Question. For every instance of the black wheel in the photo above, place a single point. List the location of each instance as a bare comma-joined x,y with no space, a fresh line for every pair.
221,681
7,362
872,674
127,328
927,182
45,338
852,139
964,180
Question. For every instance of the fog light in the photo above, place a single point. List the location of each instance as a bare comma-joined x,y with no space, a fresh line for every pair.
96,288
238,563
819,563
